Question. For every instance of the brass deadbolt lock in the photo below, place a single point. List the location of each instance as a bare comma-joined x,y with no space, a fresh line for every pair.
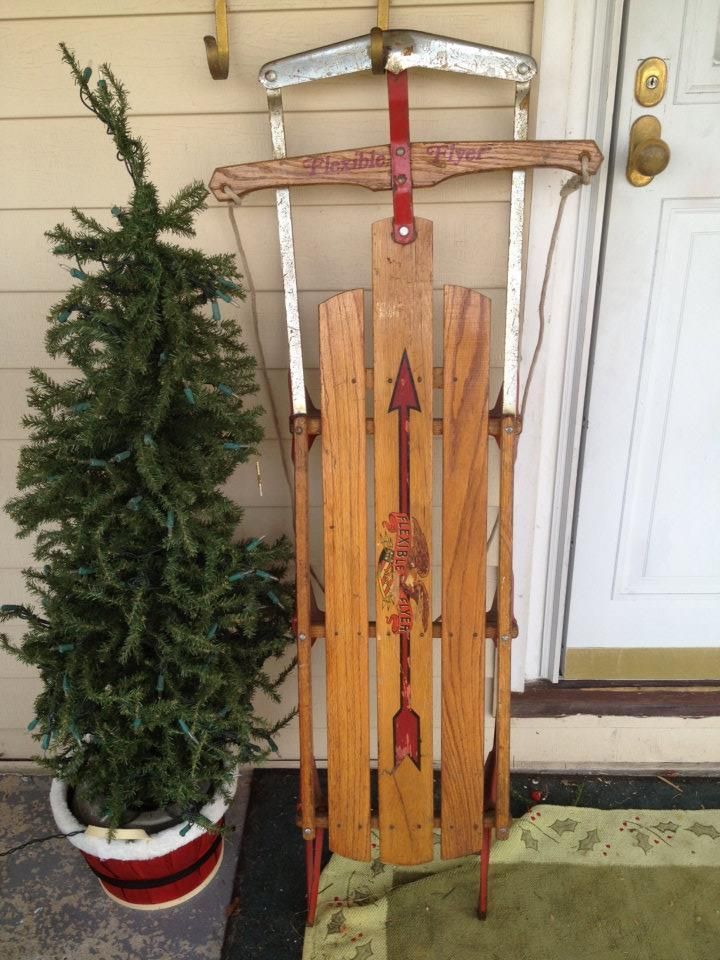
651,82
648,154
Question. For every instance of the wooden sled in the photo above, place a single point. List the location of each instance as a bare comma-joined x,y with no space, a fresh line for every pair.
404,386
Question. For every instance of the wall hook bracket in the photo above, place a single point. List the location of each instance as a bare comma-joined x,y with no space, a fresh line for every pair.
218,48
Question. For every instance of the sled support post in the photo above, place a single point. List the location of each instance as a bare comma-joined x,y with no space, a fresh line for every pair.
490,801
506,440
300,444
313,862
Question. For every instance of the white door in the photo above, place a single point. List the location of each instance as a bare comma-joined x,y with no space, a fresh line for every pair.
646,570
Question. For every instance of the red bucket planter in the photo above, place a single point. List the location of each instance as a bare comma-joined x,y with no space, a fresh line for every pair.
141,871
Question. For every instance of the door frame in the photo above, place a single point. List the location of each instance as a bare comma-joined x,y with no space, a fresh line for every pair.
579,57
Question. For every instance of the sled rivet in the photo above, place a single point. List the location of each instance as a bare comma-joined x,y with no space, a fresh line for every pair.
402,178
523,69
400,151
301,636
307,832
270,75
403,231
508,429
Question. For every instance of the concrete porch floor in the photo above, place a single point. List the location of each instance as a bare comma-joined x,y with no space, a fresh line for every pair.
52,907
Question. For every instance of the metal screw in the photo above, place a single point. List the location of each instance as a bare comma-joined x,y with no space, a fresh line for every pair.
301,636
652,81
307,832
505,638
508,429
402,179
400,151
270,75
404,231
523,68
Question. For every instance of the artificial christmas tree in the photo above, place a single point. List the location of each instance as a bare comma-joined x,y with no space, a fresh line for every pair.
153,625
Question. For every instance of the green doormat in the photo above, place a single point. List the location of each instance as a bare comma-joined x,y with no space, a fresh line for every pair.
570,883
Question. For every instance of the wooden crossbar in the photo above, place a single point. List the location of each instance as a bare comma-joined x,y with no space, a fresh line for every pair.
432,163
465,480
342,377
317,627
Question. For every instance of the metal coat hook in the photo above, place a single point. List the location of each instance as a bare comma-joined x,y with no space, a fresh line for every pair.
218,50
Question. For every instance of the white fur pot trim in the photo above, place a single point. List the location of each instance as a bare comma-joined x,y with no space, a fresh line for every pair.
156,846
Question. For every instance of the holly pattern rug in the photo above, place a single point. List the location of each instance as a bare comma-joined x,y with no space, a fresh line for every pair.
570,883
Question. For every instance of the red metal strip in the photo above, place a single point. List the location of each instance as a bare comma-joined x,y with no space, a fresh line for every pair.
400,165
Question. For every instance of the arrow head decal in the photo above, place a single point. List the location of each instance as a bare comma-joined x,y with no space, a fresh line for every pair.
404,395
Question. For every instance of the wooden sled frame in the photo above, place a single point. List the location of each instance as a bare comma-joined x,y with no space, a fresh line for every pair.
475,792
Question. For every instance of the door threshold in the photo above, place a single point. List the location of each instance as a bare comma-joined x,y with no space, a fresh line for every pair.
618,698
637,663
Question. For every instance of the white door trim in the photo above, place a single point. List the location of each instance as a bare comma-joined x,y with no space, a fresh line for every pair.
579,53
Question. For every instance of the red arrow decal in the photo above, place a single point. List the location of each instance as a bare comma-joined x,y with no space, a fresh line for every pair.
404,399
406,723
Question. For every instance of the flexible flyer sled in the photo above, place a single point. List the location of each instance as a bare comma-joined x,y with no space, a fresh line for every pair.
405,386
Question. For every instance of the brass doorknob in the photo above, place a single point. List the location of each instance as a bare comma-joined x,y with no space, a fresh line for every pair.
648,154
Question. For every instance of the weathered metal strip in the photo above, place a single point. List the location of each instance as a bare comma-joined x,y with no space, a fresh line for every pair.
515,260
287,259
405,49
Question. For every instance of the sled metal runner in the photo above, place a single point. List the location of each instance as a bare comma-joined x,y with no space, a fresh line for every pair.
475,796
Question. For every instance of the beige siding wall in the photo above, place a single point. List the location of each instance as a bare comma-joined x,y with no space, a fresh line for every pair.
54,155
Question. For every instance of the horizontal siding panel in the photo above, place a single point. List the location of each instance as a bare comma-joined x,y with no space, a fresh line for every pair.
332,245
13,400
16,711
17,745
14,591
23,324
162,61
54,9
189,148
10,667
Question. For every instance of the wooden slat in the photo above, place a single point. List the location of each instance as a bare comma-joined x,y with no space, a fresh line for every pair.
402,322
342,373
506,440
465,412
